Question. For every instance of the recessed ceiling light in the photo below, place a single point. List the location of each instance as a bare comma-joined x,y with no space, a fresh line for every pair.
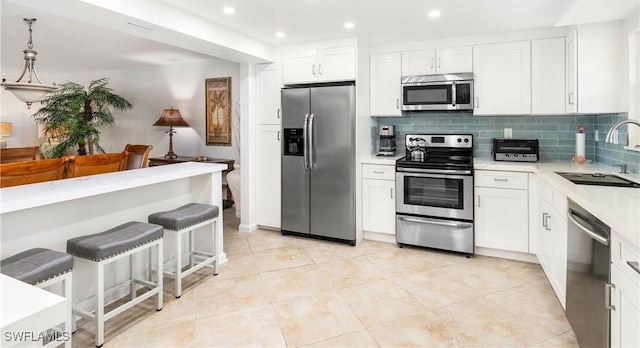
280,34
349,25
434,13
229,10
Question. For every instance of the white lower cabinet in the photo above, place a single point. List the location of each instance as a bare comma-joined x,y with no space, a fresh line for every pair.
501,211
268,173
378,198
552,239
625,294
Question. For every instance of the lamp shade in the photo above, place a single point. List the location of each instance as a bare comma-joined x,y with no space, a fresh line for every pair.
6,128
171,118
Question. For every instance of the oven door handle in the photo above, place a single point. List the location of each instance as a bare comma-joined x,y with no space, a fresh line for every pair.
434,222
434,171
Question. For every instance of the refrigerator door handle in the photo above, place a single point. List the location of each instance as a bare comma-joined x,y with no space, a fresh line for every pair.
305,145
312,162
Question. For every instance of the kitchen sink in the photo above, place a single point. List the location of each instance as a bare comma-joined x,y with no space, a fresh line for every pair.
598,179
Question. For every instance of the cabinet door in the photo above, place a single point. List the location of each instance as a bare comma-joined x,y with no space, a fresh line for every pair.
547,76
422,62
379,209
571,42
268,172
502,78
337,64
454,60
544,236
502,219
625,318
268,92
385,86
558,254
300,67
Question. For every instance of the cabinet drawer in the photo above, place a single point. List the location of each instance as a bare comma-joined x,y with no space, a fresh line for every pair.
621,253
508,180
557,200
378,171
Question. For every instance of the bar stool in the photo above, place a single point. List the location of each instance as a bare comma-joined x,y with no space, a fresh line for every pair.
187,219
106,247
43,268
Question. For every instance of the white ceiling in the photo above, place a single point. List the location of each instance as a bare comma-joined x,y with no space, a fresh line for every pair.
66,41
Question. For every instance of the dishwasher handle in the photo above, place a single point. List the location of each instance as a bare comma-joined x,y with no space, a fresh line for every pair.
571,216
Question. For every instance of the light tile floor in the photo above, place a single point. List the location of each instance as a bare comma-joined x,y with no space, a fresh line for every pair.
279,291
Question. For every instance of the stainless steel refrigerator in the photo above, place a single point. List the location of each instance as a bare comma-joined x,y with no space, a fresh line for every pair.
318,162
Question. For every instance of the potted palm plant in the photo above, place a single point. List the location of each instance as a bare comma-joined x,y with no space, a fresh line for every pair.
76,113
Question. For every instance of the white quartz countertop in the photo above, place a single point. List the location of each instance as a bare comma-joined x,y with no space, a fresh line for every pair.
381,159
33,195
618,207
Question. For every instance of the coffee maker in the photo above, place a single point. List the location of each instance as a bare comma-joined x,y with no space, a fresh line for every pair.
387,141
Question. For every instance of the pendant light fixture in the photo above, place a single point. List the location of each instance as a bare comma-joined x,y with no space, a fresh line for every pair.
28,88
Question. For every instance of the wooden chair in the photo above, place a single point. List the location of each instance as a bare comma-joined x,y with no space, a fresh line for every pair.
22,173
137,156
19,154
96,164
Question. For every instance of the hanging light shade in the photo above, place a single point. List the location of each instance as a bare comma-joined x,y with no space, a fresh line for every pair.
28,88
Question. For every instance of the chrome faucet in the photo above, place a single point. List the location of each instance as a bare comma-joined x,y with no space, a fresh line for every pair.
623,168
609,137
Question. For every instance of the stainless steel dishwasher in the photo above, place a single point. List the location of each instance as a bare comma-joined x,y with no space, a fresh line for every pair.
588,287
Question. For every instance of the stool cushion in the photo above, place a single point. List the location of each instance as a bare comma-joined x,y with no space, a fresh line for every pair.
117,240
185,216
34,266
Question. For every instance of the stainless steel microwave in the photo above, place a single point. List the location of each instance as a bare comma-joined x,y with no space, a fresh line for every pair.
437,92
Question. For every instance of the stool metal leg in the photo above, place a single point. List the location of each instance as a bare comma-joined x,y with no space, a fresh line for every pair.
99,316
132,290
70,324
191,249
214,226
178,278
159,276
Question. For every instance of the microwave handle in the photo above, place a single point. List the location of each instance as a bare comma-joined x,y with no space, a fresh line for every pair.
454,97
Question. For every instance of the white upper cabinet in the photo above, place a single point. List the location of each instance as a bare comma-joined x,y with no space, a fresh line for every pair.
594,68
440,61
321,65
385,86
268,83
548,76
502,78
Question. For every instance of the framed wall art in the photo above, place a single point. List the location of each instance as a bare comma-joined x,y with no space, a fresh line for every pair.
218,111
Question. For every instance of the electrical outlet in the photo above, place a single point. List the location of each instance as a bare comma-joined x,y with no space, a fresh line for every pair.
508,133
596,136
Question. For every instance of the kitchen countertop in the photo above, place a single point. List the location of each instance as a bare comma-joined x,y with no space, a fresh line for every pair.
618,207
373,159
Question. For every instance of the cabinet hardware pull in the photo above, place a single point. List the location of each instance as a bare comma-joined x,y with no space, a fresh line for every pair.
544,220
392,192
378,172
398,103
478,201
503,180
607,296
477,102
439,62
278,135
319,69
547,222
313,70
432,61
571,98
278,114
634,265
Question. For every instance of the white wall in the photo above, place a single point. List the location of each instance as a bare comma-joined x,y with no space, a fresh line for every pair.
150,90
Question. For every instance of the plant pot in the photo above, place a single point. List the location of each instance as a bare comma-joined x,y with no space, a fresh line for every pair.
233,180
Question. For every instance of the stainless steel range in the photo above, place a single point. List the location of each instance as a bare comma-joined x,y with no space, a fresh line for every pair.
434,181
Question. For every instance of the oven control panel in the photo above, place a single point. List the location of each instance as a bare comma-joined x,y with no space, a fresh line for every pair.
439,140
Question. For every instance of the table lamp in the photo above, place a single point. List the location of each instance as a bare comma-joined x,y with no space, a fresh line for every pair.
171,118
6,128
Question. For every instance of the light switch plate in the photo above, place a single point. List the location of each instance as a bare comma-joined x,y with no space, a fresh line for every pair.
596,136
508,133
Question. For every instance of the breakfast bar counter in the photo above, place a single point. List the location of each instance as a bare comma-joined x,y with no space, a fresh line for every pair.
47,214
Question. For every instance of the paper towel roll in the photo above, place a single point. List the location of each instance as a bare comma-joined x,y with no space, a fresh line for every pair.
580,144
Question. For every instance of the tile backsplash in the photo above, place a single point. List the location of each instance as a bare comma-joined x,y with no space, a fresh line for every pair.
556,134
